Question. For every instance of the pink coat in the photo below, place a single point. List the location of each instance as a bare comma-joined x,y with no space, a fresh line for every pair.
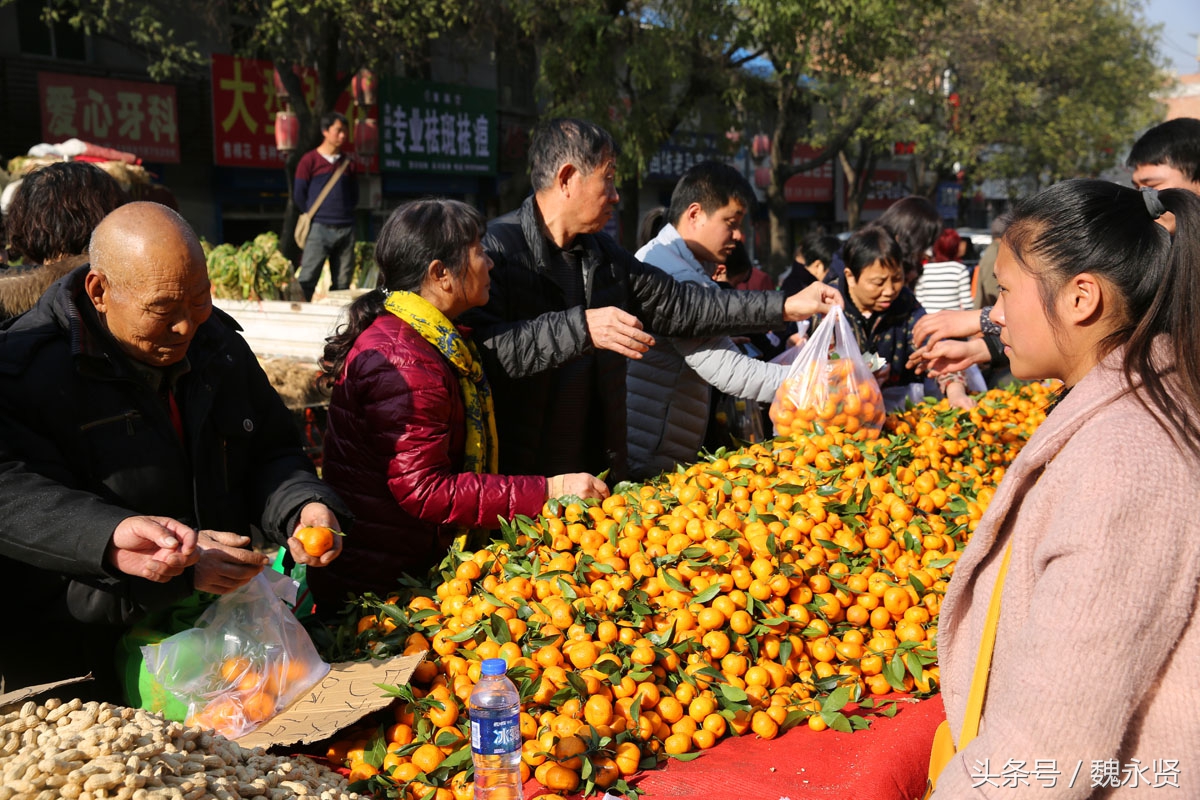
1097,659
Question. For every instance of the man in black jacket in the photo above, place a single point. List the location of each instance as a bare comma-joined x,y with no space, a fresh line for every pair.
127,403
568,305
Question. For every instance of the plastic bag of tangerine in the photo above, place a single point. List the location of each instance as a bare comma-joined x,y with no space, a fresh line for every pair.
829,386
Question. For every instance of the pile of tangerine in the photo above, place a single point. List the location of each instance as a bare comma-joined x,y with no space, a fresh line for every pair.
779,585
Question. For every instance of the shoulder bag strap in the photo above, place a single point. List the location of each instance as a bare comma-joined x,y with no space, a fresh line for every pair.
329,186
983,663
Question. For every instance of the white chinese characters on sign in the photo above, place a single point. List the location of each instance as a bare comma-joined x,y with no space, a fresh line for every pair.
60,103
130,115
97,116
426,130
162,118
124,115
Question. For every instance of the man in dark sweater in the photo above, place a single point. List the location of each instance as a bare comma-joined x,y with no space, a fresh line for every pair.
332,233
133,417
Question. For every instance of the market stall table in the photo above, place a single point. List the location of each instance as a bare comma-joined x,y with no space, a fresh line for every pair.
888,761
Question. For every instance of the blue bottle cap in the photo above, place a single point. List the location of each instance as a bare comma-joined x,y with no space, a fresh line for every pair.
494,666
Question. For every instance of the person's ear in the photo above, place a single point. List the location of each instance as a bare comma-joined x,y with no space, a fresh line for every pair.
95,286
719,274
849,276
1081,299
693,213
563,177
439,274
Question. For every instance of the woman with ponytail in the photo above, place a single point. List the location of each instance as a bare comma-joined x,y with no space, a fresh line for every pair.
1089,554
411,442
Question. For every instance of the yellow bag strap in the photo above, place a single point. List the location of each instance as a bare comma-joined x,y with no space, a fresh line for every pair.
983,663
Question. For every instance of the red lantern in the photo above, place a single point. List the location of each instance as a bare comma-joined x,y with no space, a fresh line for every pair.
366,139
287,131
760,145
364,87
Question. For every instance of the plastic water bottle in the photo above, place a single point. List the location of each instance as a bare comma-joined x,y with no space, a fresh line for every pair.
496,734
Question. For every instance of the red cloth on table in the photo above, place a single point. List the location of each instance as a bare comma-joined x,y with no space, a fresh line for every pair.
888,761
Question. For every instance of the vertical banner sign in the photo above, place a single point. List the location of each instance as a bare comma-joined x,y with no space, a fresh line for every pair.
244,106
135,117
437,128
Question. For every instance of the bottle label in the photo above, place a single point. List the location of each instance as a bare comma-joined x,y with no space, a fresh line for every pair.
494,737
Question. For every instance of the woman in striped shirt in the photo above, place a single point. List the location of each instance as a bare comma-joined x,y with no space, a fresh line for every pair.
945,283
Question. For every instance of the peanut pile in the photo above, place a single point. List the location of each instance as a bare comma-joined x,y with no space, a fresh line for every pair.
86,751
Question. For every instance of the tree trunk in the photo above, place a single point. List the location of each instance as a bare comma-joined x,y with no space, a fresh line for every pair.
628,214
858,182
783,142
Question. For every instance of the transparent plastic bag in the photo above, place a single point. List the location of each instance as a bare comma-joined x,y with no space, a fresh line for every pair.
247,659
829,385
738,420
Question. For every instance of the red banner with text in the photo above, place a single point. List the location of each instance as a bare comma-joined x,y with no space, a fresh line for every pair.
814,186
135,117
244,106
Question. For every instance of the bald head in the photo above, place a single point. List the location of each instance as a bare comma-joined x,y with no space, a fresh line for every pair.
148,282
141,236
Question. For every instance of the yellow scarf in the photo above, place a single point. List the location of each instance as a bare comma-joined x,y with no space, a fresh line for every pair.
482,454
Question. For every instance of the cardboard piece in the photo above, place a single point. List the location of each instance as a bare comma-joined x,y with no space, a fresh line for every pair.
344,696
21,695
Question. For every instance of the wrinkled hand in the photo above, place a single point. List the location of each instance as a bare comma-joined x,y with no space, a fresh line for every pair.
226,563
956,395
315,514
580,484
945,325
949,355
618,331
816,298
154,548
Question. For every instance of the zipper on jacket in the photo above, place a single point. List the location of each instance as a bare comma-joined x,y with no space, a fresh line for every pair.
129,417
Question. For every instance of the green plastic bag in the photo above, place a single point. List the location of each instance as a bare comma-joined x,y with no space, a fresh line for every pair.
141,689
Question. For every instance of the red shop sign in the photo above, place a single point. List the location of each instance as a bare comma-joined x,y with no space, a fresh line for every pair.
135,117
245,100
814,186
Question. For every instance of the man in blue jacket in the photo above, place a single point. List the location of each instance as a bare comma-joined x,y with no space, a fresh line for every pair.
332,233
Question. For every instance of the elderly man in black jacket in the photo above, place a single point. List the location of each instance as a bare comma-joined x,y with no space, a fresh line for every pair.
568,305
130,407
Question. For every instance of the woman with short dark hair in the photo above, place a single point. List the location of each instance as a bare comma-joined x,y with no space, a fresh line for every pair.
50,222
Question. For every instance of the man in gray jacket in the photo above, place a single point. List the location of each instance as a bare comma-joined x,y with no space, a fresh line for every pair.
569,306
668,392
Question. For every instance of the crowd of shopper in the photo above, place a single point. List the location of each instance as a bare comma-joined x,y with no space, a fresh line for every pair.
498,365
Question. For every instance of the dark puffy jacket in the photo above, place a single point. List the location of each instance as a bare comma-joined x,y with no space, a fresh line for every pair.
85,442
394,451
526,331
889,334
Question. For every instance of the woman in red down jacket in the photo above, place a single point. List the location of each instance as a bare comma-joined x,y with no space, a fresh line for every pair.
411,444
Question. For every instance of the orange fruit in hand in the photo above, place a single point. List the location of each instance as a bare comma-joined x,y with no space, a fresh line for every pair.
317,539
